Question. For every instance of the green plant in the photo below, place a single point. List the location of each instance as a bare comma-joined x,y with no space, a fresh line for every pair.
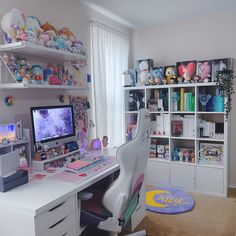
225,83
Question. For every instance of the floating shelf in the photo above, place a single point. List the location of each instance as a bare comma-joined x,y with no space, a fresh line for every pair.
30,49
39,86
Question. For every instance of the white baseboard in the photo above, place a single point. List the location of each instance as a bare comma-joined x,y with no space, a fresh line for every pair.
232,186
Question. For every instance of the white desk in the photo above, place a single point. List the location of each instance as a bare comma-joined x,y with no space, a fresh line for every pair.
46,207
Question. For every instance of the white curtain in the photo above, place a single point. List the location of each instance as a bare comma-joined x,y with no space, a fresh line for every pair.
110,50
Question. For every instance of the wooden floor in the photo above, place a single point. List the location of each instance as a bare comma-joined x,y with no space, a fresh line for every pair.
211,216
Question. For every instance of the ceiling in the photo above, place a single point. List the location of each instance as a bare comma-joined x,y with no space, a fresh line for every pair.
146,13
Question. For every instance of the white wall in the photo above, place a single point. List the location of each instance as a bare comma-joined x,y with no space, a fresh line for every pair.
60,13
207,37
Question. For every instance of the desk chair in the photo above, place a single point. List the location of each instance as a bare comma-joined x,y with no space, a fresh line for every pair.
112,210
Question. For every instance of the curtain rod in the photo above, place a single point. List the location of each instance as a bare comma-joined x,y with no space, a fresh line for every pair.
113,30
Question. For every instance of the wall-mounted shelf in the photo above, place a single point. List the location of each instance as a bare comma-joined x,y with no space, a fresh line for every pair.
30,49
39,86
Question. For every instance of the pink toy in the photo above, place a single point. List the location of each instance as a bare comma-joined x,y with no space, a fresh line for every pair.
204,71
53,80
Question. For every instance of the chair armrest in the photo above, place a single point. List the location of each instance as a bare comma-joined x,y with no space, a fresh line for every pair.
84,196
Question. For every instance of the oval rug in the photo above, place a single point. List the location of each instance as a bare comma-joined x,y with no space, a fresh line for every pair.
168,201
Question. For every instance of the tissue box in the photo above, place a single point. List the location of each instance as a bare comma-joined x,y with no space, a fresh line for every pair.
14,180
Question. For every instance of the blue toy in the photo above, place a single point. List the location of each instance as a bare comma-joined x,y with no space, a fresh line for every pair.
158,75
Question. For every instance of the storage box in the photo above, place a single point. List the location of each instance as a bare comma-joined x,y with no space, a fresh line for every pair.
14,180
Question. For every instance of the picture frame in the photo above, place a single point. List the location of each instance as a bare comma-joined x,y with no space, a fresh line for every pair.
144,71
204,70
186,70
211,153
219,65
170,74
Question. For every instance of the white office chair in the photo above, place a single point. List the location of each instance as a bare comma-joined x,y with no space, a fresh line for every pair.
111,211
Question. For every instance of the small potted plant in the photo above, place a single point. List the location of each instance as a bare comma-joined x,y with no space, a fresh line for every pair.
225,83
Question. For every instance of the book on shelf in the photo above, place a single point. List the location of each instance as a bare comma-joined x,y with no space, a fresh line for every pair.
177,127
188,121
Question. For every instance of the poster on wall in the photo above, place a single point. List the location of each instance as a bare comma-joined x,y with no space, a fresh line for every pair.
80,106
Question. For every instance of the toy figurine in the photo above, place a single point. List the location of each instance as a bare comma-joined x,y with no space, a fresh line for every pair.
186,156
180,79
192,157
105,141
196,79
175,154
181,155
188,79
37,74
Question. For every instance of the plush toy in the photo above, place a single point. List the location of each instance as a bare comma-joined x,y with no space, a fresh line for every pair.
37,74
13,26
170,73
186,69
204,71
32,27
66,34
143,72
49,29
78,47
158,75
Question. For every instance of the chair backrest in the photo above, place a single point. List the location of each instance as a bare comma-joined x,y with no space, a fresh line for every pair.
132,157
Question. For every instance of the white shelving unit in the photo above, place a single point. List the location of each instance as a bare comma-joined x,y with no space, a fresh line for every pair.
40,165
7,81
12,146
195,174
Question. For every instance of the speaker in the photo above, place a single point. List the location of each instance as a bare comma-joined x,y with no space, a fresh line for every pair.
19,130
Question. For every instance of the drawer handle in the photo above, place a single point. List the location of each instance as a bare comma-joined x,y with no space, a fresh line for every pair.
57,223
56,206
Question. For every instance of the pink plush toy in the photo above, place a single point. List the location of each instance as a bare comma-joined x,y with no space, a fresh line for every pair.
53,80
204,71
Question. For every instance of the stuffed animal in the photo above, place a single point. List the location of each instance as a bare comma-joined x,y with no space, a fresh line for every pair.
49,29
170,73
186,69
158,75
143,72
32,28
13,24
66,34
204,71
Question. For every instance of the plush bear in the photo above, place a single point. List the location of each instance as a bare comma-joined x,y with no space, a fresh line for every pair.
144,73
204,71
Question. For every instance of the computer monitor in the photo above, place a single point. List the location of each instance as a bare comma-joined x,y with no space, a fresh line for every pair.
52,123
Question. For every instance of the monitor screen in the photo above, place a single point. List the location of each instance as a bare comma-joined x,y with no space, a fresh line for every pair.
52,123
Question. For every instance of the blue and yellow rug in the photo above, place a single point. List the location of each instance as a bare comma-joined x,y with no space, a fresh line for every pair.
168,201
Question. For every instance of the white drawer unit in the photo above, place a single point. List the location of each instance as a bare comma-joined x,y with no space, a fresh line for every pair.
210,180
64,227
55,216
157,173
182,176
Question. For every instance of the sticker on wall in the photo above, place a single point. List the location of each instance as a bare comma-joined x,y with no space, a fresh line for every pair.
9,100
